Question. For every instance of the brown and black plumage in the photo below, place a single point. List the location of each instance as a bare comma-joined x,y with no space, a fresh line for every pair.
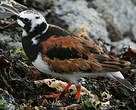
57,52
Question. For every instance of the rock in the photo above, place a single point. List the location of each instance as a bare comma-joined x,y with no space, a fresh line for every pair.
120,15
60,85
76,13
134,2
125,43
133,33
7,41
7,101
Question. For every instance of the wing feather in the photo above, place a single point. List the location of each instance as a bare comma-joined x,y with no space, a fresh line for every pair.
70,54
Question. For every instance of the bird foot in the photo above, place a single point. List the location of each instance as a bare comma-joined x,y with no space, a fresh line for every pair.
56,96
78,94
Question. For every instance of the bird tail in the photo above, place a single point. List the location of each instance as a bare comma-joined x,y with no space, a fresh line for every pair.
114,67
120,78
122,66
126,83
109,64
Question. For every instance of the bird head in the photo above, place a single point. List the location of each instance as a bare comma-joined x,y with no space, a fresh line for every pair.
29,20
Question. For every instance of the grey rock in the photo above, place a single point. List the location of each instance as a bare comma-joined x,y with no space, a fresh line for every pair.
76,13
6,39
134,2
120,14
125,43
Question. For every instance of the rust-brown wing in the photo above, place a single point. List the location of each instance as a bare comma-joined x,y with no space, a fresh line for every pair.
110,64
67,53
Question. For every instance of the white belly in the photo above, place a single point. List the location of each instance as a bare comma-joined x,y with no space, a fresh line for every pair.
41,65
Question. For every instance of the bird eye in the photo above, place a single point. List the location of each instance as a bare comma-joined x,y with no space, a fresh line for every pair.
37,17
25,20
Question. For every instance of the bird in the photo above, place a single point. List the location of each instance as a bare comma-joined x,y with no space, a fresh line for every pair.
60,53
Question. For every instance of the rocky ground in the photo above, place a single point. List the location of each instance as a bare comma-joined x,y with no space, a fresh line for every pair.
110,22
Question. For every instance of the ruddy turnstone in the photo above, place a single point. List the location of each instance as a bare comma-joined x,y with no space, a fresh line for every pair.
55,51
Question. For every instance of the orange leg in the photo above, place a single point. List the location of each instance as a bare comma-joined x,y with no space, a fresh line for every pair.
78,91
58,95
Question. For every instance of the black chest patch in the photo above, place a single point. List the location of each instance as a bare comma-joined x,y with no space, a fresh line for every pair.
30,49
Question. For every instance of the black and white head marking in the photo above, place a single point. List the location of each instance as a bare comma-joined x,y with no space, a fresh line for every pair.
29,20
